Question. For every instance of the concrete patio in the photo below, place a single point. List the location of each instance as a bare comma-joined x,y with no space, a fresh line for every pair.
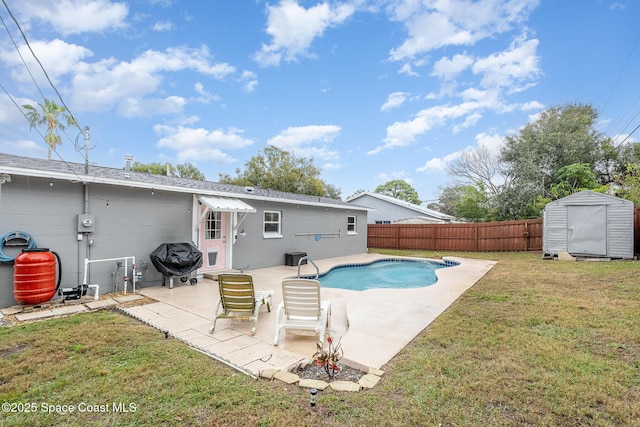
373,325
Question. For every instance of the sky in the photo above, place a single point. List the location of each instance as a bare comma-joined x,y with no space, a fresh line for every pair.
372,90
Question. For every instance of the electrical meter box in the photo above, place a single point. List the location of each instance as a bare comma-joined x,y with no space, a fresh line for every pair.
86,223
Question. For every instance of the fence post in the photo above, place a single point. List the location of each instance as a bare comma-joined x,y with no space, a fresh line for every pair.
476,244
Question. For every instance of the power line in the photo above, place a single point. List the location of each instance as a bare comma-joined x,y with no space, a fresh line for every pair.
24,37
75,122
21,57
38,130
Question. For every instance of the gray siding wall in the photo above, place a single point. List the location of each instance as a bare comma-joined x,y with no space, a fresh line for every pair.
128,222
619,223
385,211
620,230
254,251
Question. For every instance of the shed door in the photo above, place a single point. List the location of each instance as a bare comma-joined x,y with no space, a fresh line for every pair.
587,230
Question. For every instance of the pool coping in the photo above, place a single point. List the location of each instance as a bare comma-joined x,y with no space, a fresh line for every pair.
370,337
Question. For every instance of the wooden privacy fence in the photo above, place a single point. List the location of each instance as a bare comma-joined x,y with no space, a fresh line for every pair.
636,230
522,235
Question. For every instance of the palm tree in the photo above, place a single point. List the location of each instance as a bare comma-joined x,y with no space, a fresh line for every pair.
48,116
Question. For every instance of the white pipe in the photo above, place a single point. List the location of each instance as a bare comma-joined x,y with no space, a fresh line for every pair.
96,292
125,258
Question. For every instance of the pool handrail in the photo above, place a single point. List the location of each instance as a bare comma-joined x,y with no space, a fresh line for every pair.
306,257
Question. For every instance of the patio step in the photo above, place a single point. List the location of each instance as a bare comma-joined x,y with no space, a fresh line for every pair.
214,274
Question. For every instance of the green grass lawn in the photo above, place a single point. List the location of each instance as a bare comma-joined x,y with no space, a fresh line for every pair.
534,342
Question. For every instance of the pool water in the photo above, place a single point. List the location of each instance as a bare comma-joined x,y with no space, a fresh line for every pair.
386,273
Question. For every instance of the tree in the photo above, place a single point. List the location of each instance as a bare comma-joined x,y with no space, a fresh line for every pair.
184,170
465,202
573,178
478,167
49,116
629,183
187,170
449,198
399,189
561,136
473,205
280,170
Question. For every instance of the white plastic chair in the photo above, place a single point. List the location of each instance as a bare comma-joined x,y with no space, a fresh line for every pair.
301,308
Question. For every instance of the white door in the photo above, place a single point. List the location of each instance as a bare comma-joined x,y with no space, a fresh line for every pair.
213,240
587,230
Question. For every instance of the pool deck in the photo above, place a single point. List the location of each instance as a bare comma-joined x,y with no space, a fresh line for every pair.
373,325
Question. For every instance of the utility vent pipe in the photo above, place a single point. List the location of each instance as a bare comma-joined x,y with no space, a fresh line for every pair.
127,166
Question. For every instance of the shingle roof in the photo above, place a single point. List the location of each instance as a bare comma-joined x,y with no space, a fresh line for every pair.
405,204
29,166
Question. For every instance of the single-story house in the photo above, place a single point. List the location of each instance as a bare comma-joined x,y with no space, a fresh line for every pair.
84,212
389,210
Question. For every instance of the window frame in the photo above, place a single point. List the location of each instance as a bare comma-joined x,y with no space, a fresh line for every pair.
277,234
213,218
354,231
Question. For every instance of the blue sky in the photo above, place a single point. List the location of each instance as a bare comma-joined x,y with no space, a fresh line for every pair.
373,90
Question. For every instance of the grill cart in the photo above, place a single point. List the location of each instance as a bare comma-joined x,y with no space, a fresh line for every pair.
177,260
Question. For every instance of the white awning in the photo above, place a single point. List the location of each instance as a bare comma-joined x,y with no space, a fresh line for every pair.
226,204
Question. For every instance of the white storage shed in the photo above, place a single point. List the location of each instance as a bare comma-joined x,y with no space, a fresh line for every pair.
588,224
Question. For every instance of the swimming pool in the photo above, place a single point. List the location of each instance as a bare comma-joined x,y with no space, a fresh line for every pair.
384,273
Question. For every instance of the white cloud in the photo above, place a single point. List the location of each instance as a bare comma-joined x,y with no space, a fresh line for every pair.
300,141
108,84
294,137
623,138
438,164
447,69
431,25
394,100
510,68
193,144
250,81
402,134
531,105
333,166
162,26
75,16
23,146
408,70
492,142
469,121
403,175
293,29
205,97
143,107
57,57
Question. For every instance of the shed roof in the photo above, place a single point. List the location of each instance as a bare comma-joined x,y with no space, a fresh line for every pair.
75,172
588,196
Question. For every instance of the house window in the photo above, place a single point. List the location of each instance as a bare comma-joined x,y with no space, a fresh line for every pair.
351,225
213,227
272,224
382,222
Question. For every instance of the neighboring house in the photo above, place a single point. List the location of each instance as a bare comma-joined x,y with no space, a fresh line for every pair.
389,210
131,213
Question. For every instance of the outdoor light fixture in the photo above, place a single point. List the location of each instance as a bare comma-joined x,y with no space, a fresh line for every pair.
312,397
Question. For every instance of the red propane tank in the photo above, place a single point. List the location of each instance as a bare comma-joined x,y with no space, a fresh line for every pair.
34,277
